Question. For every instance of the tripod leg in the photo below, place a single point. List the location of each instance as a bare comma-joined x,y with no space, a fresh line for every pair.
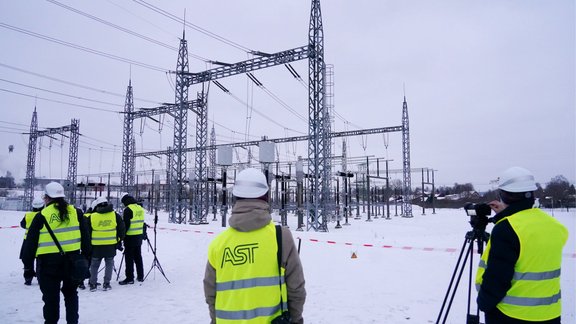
468,252
452,280
120,268
155,262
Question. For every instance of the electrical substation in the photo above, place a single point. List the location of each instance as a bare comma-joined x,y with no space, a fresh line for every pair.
320,188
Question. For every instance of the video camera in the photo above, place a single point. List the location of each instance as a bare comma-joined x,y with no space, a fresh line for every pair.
478,215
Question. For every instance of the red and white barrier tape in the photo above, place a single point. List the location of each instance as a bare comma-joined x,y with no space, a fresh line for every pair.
411,248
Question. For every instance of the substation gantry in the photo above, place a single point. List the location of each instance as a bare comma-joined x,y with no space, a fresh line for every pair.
70,187
319,132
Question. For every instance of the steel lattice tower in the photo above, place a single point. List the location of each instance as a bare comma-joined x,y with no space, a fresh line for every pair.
201,180
73,159
318,145
74,129
128,160
212,154
30,166
407,184
178,170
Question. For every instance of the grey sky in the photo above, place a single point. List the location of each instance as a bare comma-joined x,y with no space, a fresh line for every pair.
489,84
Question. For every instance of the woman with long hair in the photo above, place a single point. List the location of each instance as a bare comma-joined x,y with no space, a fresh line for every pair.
67,225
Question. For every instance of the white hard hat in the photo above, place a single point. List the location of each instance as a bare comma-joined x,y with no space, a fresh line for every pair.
54,190
37,202
517,179
98,201
250,183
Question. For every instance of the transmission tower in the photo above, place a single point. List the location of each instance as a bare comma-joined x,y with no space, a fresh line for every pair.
74,129
30,166
407,184
73,158
178,170
128,160
200,203
212,154
318,120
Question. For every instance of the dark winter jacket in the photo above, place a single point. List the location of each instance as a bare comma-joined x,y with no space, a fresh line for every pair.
249,215
31,242
504,253
130,240
104,251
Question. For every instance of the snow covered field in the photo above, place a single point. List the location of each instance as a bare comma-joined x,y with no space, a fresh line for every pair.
400,275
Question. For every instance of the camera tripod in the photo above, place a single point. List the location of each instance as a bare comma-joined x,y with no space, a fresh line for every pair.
155,262
479,236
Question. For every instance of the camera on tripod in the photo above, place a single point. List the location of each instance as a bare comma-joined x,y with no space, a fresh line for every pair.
478,215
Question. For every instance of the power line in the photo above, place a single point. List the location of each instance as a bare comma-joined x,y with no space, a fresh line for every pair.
82,48
61,94
123,29
74,84
195,27
57,101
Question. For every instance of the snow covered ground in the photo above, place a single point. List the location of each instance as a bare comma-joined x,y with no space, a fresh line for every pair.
400,275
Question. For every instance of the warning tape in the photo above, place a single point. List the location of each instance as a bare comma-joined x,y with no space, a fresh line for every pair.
413,248
409,248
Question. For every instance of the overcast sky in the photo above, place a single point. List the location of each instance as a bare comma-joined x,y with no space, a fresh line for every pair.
489,84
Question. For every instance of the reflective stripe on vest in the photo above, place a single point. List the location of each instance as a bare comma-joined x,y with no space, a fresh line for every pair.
28,217
67,233
103,228
247,280
535,291
137,221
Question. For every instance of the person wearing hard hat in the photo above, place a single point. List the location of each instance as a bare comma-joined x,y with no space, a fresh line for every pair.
246,280
106,229
133,216
37,205
68,227
87,214
519,272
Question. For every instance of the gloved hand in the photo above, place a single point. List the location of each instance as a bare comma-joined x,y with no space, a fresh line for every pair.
119,246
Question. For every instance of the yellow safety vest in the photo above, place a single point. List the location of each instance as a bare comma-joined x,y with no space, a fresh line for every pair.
103,228
535,291
28,217
67,233
137,221
247,280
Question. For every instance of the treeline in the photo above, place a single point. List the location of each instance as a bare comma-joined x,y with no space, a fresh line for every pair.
556,193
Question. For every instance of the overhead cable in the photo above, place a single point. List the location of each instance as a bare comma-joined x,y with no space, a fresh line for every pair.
195,27
62,94
82,48
123,29
57,101
74,84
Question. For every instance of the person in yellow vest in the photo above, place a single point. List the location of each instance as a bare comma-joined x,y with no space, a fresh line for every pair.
133,216
242,280
87,214
519,272
37,205
107,229
67,224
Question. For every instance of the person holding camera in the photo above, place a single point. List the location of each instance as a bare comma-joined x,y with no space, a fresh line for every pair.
53,267
244,280
133,216
519,272
107,229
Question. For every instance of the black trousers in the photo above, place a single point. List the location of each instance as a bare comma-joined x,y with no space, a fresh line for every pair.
133,255
53,278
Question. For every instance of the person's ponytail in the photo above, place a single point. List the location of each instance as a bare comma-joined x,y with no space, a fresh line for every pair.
62,207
